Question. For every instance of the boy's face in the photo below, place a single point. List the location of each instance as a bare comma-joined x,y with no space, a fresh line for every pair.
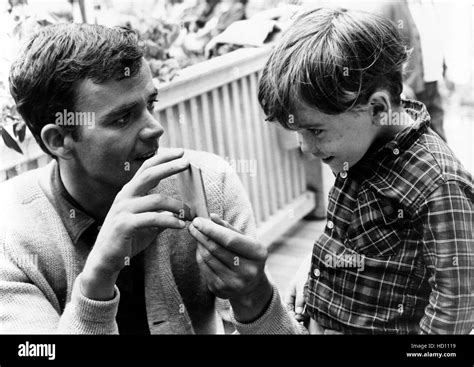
339,140
125,131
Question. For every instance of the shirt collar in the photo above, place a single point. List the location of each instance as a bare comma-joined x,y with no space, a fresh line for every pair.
74,218
401,142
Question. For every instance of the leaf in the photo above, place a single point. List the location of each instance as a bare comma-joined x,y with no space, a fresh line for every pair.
15,127
10,142
19,129
22,132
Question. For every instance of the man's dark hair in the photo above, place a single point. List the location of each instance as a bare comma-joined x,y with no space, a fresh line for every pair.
332,60
44,77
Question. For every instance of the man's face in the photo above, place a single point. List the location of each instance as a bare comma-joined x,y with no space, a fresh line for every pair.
125,132
339,140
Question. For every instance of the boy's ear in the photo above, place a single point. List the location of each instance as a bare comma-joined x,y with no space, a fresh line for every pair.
380,107
57,140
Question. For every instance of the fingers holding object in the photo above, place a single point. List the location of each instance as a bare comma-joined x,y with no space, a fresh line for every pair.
235,242
225,256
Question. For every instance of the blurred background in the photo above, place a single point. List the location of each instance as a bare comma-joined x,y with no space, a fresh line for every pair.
206,57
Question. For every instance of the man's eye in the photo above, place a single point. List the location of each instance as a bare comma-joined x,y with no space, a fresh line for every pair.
151,105
316,132
123,120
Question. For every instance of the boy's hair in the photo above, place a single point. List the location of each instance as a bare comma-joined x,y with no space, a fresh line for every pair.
44,77
332,60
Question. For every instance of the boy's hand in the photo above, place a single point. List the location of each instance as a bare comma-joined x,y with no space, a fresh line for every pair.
233,265
133,222
294,299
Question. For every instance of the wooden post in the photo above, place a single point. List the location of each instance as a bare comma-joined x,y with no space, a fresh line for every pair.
314,182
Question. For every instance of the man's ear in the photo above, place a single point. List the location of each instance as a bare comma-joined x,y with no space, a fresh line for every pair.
57,140
380,107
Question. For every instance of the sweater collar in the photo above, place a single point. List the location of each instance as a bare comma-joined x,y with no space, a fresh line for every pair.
74,218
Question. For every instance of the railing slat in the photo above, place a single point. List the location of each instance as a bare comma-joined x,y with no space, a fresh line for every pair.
206,121
218,122
258,190
171,125
240,135
266,175
196,123
277,164
184,124
302,174
288,179
229,122
165,138
294,162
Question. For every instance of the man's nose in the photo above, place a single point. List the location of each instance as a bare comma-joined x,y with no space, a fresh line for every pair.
153,129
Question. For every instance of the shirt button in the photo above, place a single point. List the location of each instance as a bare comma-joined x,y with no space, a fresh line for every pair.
330,225
396,151
343,174
316,273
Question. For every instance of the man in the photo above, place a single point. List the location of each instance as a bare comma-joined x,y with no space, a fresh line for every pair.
95,243
397,253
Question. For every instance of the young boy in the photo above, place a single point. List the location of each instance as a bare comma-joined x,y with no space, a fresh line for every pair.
396,255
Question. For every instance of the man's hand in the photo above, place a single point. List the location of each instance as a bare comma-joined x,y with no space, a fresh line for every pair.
133,222
233,265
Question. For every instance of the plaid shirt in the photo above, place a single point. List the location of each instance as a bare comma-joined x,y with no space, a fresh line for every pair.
397,253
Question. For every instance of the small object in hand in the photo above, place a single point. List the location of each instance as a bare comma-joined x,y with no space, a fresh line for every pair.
192,189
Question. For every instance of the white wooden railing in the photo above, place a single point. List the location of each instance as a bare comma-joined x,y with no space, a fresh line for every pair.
212,106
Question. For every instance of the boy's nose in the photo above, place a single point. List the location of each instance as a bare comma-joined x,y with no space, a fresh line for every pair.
305,144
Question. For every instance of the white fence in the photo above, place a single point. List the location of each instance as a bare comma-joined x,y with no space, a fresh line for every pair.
212,106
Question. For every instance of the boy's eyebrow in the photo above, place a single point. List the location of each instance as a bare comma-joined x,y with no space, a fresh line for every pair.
297,127
124,108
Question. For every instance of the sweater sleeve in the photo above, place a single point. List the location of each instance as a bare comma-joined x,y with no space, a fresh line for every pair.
25,308
275,320
86,316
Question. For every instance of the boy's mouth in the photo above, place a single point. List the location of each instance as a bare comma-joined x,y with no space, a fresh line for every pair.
327,160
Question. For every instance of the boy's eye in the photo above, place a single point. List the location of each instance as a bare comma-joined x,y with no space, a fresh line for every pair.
316,132
151,105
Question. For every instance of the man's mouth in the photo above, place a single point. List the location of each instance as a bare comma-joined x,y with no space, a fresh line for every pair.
143,157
